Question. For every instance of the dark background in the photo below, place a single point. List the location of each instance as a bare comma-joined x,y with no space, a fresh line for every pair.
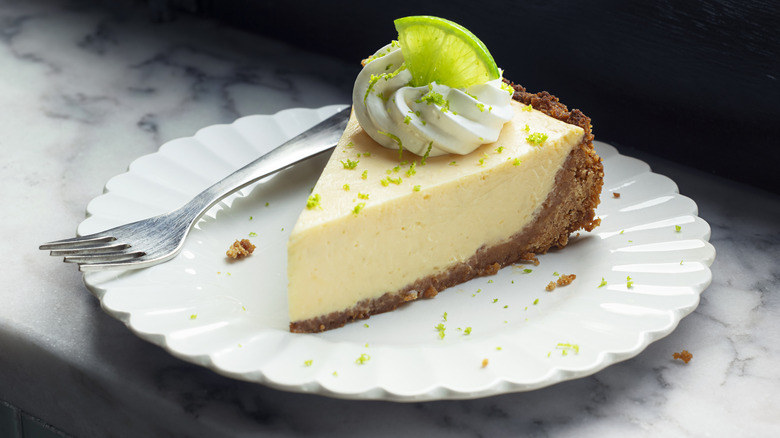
693,81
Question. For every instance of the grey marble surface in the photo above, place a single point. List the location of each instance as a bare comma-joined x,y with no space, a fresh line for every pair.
84,91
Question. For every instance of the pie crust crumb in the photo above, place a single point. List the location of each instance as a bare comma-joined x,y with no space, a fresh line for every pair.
684,356
240,249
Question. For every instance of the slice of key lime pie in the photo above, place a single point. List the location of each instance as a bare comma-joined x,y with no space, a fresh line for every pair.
445,172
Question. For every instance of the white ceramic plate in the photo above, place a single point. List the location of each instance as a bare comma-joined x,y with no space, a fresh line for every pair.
232,316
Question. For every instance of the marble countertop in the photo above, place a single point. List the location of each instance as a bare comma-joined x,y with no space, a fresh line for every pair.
83,92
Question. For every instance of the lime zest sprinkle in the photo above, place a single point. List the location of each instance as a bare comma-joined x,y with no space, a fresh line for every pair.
307,363
536,301
427,153
603,282
313,201
495,300
528,108
365,325
386,76
358,208
267,204
516,162
434,98
364,175
537,138
500,149
444,317
440,328
345,187
349,164
412,171
629,282
392,137
417,189
677,228
252,234
335,374
526,128
565,347
194,316
508,88
371,82
407,119
390,180
527,271
363,195
453,163
251,217
362,359
467,331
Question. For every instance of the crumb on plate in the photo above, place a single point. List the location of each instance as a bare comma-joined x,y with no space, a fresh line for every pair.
240,249
563,280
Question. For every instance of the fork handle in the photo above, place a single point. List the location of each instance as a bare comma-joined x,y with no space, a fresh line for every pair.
318,139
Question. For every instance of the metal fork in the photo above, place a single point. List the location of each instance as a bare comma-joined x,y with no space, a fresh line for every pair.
158,239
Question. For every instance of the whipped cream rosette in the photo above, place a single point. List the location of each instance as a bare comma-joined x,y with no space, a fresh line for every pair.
427,120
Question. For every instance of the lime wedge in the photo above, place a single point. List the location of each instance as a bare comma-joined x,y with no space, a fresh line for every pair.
439,50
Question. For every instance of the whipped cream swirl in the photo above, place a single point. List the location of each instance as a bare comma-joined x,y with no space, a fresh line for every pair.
433,119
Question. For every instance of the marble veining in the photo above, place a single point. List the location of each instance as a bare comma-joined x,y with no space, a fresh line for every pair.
85,90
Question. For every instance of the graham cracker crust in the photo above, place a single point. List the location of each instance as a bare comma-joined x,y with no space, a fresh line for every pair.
568,208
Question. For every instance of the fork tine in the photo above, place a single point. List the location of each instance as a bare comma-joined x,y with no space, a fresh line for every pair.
95,249
104,257
77,242
123,264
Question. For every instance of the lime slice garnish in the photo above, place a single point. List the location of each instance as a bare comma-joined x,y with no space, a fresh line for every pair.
439,50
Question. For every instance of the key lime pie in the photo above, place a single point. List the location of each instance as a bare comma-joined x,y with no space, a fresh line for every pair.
445,172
